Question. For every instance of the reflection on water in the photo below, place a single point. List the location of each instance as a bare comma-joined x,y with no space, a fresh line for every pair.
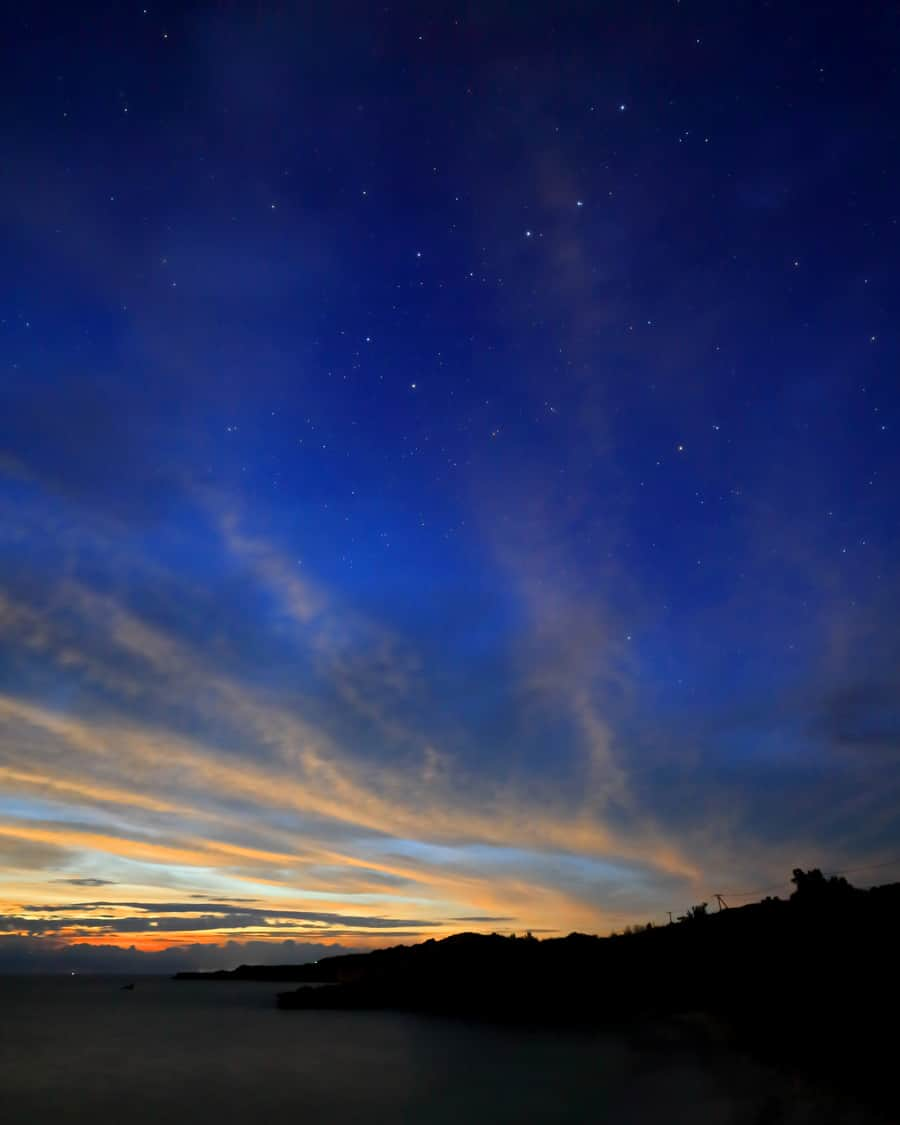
80,1049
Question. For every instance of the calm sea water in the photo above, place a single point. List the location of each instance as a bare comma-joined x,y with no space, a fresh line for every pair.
79,1049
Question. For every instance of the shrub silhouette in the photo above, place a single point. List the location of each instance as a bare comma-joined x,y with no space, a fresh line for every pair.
695,913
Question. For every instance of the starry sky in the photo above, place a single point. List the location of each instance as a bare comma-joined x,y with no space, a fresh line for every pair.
448,468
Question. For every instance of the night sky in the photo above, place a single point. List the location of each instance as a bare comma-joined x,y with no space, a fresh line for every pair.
448,468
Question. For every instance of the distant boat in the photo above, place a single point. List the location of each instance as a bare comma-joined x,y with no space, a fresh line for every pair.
128,987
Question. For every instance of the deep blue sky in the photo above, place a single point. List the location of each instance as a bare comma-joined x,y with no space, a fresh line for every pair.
448,452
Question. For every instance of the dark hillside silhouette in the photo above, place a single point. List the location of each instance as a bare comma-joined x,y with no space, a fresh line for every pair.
810,982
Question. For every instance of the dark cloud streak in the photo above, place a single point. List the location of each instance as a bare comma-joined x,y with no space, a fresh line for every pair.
226,913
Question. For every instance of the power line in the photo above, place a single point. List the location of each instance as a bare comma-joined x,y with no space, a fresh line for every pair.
720,895
787,882
868,867
746,894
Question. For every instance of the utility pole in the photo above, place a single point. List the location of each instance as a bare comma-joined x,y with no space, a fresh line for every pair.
669,912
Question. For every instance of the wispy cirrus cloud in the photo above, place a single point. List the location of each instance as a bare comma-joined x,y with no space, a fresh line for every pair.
162,756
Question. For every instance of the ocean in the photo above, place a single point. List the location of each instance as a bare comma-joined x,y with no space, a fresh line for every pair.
80,1049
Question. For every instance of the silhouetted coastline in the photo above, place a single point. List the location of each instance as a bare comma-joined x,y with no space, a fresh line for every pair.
808,983
309,974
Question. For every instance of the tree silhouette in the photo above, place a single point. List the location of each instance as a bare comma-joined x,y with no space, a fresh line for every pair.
812,887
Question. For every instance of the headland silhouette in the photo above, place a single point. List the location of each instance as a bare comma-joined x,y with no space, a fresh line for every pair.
809,982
